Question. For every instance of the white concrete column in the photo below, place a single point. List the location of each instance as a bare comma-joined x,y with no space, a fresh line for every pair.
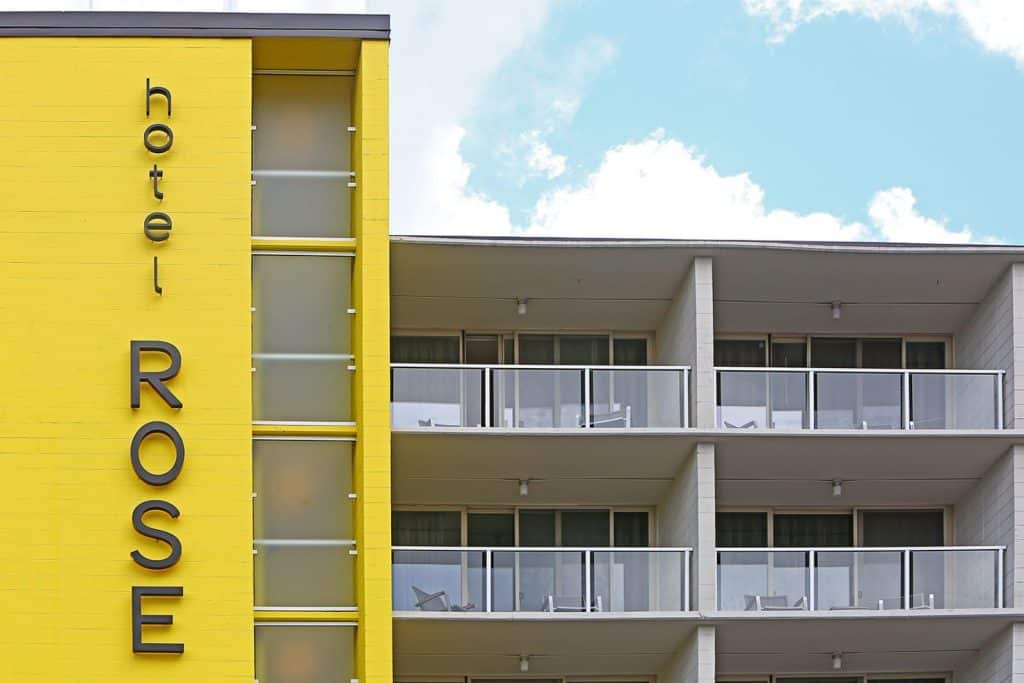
694,661
686,517
686,336
993,339
992,513
1000,661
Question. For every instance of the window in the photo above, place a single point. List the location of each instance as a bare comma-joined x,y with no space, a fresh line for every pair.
740,353
301,155
305,653
812,531
741,529
302,337
302,523
426,527
424,349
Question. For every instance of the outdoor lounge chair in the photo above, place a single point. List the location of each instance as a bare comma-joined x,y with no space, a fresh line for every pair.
561,603
774,603
438,602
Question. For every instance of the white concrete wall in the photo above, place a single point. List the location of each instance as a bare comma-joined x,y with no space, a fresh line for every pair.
686,336
1000,661
694,661
992,513
993,339
686,517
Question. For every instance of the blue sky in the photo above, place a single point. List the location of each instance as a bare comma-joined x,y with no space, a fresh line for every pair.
842,108
775,119
860,119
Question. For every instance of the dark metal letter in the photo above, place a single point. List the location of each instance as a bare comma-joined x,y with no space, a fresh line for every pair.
139,619
154,379
156,534
157,90
158,128
157,226
156,174
156,277
157,427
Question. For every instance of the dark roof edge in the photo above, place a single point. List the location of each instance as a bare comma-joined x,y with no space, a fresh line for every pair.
195,24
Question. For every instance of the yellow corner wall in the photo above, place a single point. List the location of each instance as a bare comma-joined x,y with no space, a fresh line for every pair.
373,371
75,288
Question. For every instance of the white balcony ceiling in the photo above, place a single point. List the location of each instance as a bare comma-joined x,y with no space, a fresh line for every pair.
481,467
621,645
454,283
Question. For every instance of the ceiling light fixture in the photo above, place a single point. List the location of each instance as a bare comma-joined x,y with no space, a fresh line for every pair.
524,487
524,663
837,660
837,309
521,306
837,488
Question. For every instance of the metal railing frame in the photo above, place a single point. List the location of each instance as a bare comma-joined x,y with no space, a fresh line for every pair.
487,370
906,554
905,386
588,562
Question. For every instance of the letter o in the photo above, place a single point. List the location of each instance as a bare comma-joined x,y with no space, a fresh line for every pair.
158,128
158,427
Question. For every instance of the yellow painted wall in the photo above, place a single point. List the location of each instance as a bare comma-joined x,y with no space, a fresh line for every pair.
75,288
372,347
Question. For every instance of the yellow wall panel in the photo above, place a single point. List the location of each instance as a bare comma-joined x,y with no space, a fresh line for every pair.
372,351
75,287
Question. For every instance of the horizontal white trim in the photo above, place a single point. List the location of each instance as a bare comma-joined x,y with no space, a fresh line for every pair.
302,423
458,366
283,252
863,371
260,625
304,543
957,548
268,437
303,356
305,609
300,173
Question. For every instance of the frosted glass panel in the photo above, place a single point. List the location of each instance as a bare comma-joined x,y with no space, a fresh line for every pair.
302,489
318,390
302,304
288,206
305,654
302,122
304,576
301,126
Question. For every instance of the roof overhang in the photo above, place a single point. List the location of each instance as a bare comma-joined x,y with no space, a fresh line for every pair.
195,24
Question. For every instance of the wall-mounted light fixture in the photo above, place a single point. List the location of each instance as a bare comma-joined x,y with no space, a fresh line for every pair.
837,488
524,487
524,663
837,660
521,306
837,309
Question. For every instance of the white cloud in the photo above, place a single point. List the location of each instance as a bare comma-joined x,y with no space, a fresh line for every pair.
658,187
997,24
893,212
540,157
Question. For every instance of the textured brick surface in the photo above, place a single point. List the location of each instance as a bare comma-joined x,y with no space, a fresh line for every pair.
75,288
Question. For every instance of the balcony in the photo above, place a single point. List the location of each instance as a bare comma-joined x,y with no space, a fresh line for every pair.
539,580
798,398
833,579
539,396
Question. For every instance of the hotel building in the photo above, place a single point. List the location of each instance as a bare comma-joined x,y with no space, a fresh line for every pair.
245,435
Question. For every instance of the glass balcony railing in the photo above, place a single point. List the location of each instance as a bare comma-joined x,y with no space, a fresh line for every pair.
540,396
830,579
797,398
581,580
